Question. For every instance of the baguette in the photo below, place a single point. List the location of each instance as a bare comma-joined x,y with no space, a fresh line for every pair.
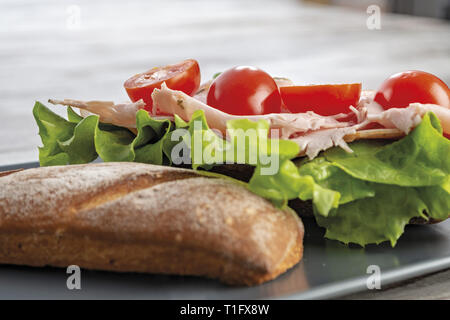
131,217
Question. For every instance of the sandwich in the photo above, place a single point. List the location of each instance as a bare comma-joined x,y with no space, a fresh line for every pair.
135,217
363,163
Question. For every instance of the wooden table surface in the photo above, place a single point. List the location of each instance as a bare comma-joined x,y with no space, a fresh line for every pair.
85,49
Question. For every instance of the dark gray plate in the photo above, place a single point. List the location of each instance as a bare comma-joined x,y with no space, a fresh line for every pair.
328,269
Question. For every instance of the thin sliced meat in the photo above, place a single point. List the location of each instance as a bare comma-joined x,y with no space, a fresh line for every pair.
176,102
312,132
314,142
122,114
404,119
202,92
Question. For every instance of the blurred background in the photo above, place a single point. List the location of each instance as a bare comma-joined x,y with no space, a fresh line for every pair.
86,49
425,8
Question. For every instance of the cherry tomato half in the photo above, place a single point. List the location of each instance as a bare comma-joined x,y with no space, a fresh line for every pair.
183,76
244,91
326,99
404,88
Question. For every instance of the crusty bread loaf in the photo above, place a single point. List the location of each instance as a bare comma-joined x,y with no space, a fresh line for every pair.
144,218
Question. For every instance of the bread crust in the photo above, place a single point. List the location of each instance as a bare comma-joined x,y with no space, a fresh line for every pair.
130,217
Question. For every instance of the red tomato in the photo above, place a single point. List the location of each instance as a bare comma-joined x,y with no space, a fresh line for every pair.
326,99
404,88
183,76
244,91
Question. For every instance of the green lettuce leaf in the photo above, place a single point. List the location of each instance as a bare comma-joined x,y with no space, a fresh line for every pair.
247,143
329,176
72,116
368,196
118,144
375,219
383,186
437,199
53,129
288,184
80,147
384,217
81,140
419,159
